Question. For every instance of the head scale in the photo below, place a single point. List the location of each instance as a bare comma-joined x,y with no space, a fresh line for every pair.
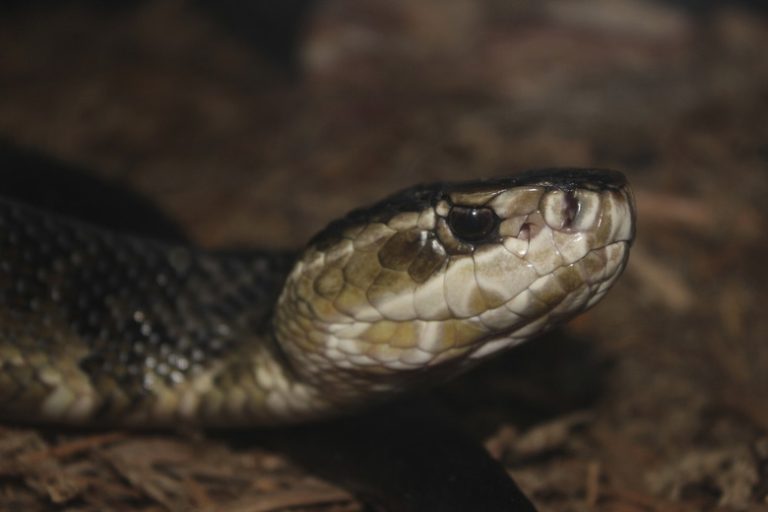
438,277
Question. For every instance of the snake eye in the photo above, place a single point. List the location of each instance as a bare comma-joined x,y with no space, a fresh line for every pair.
472,224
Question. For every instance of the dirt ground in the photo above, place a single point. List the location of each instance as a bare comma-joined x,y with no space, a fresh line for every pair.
655,400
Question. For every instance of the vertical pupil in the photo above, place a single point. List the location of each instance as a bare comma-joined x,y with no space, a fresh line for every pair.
471,224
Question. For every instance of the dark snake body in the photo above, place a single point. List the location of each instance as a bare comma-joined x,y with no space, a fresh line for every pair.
125,311
98,327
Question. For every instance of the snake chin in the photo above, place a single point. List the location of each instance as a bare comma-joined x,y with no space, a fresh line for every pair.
569,305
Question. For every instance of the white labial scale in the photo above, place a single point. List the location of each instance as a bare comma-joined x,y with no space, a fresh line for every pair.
517,246
493,346
383,353
573,301
367,313
572,246
460,285
429,299
531,328
416,357
525,304
542,252
499,318
430,336
547,288
396,306
391,293
500,277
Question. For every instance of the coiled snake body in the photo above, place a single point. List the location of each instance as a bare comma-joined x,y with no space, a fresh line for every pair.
97,327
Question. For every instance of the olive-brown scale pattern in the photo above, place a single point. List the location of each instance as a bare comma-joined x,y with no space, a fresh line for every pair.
99,327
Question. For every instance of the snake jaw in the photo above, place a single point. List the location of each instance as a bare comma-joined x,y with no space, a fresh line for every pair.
443,276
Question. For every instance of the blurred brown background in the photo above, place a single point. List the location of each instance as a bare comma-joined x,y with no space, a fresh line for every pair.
255,123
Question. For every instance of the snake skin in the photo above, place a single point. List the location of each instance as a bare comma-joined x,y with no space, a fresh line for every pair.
102,328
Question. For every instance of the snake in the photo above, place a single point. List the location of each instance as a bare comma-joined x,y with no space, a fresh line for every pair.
105,328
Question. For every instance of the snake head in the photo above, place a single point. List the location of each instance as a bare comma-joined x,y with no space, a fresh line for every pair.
441,276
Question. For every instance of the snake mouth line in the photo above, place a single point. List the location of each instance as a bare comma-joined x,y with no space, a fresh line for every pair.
507,333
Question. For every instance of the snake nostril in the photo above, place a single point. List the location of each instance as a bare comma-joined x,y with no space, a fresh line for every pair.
525,231
564,209
571,208
531,227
